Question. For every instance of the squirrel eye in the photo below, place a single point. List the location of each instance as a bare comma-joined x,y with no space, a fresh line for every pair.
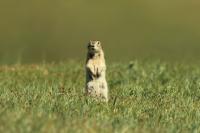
88,45
99,43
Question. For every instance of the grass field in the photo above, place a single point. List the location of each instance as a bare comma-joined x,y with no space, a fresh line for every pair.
145,96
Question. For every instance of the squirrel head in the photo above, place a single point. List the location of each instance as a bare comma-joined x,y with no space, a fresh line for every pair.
94,47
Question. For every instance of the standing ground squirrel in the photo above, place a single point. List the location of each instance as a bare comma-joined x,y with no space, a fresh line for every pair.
96,84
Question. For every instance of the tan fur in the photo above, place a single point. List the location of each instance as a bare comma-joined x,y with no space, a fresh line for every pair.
96,84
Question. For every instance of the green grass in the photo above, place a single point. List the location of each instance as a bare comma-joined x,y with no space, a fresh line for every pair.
145,96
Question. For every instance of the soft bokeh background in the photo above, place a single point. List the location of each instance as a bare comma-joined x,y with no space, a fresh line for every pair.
55,30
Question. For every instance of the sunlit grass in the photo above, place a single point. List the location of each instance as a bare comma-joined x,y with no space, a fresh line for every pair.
145,96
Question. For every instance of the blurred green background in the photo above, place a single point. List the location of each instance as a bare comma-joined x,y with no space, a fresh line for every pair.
55,30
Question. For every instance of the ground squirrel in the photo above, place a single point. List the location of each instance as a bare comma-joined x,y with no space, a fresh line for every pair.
96,84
